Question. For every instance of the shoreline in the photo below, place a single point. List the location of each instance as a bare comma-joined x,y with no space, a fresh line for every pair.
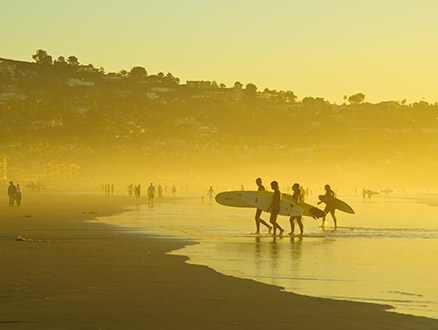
90,275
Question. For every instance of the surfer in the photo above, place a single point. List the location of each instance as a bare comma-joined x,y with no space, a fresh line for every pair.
364,195
151,194
210,194
137,192
329,200
258,220
297,197
275,207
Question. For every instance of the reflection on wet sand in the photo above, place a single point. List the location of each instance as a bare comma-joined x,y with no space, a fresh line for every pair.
372,258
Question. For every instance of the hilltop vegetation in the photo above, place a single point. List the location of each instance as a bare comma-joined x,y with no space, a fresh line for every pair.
53,111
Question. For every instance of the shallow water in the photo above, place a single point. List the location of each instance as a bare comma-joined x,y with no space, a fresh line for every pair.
386,253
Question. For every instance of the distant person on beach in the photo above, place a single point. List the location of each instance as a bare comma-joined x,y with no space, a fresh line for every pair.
329,200
137,193
258,213
274,208
19,195
151,194
12,192
297,196
174,190
130,190
210,195
160,191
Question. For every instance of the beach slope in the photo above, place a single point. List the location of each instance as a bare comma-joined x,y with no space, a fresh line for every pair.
71,273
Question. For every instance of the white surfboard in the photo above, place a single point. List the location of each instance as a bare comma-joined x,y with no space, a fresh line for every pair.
262,201
231,198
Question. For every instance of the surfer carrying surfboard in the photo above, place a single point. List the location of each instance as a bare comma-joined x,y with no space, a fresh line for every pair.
258,220
298,198
274,208
329,200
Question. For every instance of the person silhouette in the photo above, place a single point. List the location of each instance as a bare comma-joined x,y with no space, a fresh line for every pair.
297,197
137,192
274,208
329,200
19,195
151,194
258,213
210,194
12,192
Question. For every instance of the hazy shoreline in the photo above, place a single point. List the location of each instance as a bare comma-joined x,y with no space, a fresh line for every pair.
89,275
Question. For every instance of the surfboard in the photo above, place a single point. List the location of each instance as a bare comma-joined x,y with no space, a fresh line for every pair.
308,210
235,199
387,191
262,201
338,204
372,192
231,198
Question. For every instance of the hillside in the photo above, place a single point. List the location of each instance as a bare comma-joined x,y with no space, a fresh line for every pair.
133,122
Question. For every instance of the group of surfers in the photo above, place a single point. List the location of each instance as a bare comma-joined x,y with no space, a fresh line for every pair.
298,197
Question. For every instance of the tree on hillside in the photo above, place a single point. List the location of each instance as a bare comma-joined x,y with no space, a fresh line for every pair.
60,62
42,57
238,85
137,74
356,98
290,97
170,79
73,61
123,73
314,101
250,90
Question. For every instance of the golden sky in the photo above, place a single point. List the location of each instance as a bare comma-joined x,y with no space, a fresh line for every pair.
386,49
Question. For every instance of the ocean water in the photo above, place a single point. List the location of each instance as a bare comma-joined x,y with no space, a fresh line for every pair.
386,253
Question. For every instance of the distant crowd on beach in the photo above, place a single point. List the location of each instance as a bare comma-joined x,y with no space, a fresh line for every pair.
15,194
135,191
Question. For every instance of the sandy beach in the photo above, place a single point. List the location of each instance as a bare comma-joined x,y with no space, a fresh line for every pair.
71,273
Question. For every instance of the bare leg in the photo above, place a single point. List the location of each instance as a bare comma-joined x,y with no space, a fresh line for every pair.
263,222
257,220
323,221
273,220
292,225
300,224
280,229
334,219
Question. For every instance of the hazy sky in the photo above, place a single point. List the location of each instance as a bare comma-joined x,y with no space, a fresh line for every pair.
386,49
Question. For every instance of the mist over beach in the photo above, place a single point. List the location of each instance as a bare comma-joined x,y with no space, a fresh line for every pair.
191,165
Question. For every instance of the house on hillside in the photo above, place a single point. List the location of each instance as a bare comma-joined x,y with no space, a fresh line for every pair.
112,77
87,68
42,124
75,82
200,84
55,172
154,92
9,92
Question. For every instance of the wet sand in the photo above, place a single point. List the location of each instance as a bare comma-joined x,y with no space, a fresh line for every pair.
77,274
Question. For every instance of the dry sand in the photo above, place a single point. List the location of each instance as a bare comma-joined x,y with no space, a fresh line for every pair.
84,275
